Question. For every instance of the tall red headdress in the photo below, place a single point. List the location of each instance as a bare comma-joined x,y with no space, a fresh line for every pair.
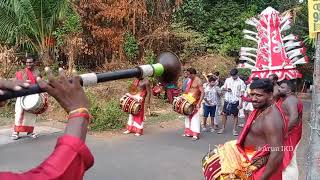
276,52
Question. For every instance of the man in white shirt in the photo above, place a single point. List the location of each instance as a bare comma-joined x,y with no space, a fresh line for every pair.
234,88
211,100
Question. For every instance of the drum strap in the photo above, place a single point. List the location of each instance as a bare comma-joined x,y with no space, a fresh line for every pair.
136,82
31,76
27,74
189,84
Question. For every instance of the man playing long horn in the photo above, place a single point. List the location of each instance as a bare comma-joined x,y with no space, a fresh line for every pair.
195,90
258,152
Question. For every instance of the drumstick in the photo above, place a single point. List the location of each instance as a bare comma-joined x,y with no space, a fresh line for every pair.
167,69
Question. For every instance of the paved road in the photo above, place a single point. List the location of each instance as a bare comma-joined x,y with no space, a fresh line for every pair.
158,155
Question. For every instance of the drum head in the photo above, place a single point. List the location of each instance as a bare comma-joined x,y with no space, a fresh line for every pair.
30,101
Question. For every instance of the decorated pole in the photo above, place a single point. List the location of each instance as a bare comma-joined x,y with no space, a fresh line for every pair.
167,69
313,161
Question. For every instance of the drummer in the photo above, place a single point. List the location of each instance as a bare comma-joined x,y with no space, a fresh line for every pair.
195,89
25,121
141,92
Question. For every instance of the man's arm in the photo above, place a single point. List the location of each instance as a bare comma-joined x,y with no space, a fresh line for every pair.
242,92
224,86
205,76
219,91
200,86
292,107
70,96
273,132
14,85
243,88
71,157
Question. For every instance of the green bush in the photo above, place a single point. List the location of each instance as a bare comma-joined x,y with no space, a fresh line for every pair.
245,72
71,25
150,56
106,115
194,43
130,47
8,110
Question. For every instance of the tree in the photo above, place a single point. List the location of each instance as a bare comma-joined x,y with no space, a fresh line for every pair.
69,37
106,25
29,24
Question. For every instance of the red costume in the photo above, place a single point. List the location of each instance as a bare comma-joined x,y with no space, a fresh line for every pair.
135,122
294,135
69,161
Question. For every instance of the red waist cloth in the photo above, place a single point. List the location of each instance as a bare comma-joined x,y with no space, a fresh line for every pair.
69,161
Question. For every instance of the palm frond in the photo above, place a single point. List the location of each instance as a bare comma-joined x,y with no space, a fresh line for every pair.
27,23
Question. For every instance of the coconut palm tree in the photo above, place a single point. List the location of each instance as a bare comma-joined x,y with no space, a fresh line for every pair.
29,24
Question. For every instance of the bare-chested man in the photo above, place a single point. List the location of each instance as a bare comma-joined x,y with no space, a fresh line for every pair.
141,92
292,110
274,79
195,89
260,144
25,121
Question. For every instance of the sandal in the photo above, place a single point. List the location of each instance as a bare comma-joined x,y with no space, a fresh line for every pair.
186,135
126,132
137,134
221,131
33,135
194,138
15,136
235,133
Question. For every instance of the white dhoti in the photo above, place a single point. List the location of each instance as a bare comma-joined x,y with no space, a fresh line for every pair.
192,124
24,121
134,126
292,171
